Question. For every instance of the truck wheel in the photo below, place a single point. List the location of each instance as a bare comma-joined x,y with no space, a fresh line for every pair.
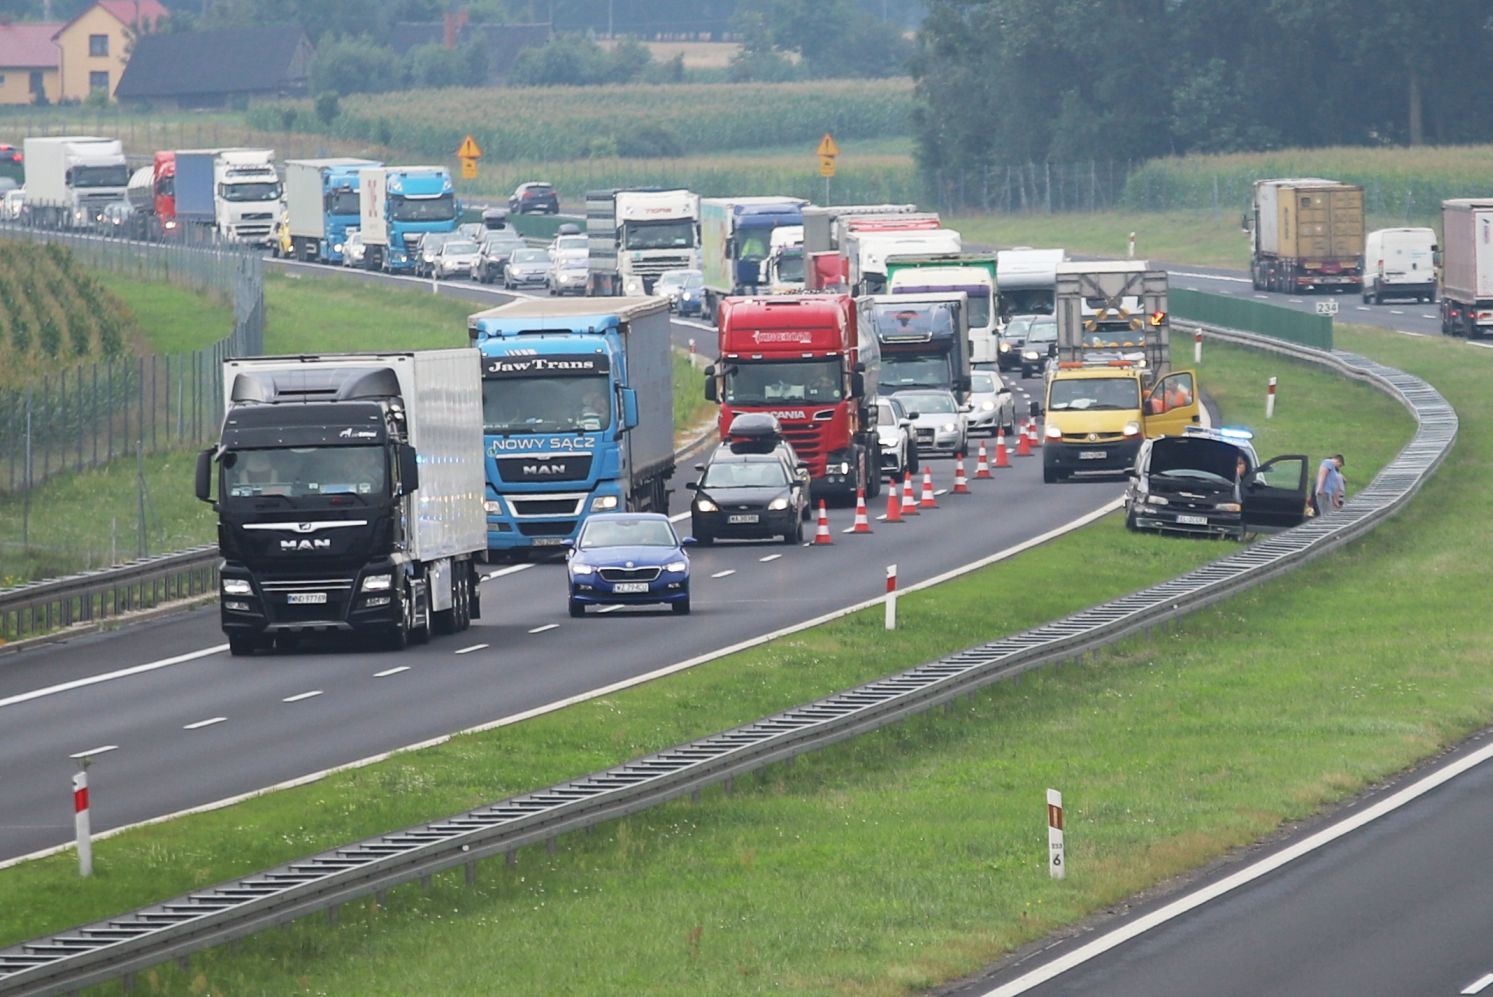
242,645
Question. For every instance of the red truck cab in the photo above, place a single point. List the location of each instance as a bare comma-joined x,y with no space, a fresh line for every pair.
802,359
164,170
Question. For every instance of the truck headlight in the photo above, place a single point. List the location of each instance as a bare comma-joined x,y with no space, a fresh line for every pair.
1053,432
377,583
337,248
704,504
603,503
1132,428
844,467
777,505
493,507
237,586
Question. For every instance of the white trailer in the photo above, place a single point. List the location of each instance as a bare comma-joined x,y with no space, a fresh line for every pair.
1467,267
71,178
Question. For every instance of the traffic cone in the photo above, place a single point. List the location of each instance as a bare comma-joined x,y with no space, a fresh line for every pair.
893,505
909,501
1023,444
1002,457
821,533
862,521
1036,436
961,484
929,501
982,464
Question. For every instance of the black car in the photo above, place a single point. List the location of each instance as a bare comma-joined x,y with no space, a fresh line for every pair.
429,250
1209,482
748,496
534,198
1041,345
498,245
1013,338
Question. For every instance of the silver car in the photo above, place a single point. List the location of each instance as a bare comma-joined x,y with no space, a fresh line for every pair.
940,423
992,406
894,432
526,268
456,258
353,248
569,275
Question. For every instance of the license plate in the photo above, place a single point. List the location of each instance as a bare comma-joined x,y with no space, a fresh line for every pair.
626,588
306,598
744,517
1092,454
549,541
1193,520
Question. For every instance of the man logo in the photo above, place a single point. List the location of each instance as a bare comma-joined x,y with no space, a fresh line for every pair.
323,544
543,470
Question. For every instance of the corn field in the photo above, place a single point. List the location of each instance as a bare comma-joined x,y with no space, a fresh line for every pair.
56,313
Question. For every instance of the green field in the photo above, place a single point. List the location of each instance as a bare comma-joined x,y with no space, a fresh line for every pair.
908,857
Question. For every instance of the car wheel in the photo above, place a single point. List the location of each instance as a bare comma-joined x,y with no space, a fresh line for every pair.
1050,475
577,608
1130,523
681,608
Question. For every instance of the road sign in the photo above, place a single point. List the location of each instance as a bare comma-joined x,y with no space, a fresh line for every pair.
827,146
1328,307
468,168
826,166
469,150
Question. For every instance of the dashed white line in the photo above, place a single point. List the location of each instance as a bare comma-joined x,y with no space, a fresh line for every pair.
1296,301
879,519
774,557
1478,986
941,491
391,671
723,574
547,626
1363,308
469,650
101,749
204,723
1396,311
1262,296
1428,316
302,695
53,690
511,569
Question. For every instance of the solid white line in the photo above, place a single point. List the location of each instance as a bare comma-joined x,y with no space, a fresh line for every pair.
678,516
1478,986
769,557
723,574
1481,346
1210,276
1248,874
91,752
301,695
506,571
547,626
1262,295
881,517
391,671
469,650
53,690
203,723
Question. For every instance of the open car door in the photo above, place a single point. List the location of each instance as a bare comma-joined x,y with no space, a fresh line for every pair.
1172,405
1275,495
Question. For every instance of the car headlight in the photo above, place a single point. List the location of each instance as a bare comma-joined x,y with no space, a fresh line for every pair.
237,586
1132,428
603,503
493,507
1053,432
777,504
1029,355
688,295
377,583
703,504
1157,500
987,406
677,566
947,427
1227,507
580,568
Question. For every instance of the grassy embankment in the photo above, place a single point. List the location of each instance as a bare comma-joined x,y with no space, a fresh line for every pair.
914,855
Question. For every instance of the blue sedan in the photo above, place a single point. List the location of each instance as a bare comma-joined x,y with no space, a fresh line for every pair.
628,558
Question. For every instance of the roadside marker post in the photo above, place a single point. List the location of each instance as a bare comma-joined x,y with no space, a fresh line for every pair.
1270,399
891,597
1197,347
1057,866
81,823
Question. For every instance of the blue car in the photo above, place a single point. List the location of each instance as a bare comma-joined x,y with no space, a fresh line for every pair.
631,558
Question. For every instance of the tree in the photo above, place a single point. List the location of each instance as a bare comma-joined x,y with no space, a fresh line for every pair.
355,65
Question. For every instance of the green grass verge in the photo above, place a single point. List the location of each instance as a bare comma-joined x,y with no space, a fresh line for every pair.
170,319
900,859
315,315
691,410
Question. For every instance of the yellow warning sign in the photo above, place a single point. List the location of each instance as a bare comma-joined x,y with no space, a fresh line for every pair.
468,168
827,146
469,149
826,166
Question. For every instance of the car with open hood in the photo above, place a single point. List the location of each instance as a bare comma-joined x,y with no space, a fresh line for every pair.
1210,482
630,559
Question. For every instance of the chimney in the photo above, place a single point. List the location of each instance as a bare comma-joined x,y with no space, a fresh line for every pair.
451,26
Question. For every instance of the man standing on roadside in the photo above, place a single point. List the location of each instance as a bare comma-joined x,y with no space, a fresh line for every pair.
1331,490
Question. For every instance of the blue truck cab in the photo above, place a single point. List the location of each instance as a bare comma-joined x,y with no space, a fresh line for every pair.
321,204
397,206
578,416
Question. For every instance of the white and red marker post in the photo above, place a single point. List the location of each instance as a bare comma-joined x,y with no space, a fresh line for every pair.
1270,399
1197,346
80,821
1057,866
891,597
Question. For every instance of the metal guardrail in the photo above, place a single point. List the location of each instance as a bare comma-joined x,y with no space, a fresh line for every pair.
119,946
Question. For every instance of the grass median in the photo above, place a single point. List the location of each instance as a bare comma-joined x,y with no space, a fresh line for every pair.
900,859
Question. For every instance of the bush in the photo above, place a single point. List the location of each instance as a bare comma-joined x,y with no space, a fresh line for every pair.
355,65
648,142
328,106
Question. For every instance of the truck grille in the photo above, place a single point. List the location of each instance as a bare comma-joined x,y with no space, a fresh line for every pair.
553,528
564,505
629,574
565,467
656,266
805,441
279,610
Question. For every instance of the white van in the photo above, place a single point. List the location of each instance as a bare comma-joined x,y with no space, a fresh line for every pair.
1399,263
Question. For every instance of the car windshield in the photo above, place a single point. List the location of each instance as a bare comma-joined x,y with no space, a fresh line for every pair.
923,403
303,472
982,383
680,278
1015,331
914,371
745,474
627,533
1042,330
571,244
575,263
530,256
342,202
265,191
1090,393
545,404
673,234
504,240
459,248
759,383
423,209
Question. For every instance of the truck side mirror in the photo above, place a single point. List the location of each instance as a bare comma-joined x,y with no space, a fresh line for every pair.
629,408
858,384
409,469
710,394
1035,410
205,475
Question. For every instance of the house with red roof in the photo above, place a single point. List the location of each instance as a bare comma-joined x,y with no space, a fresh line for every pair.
70,60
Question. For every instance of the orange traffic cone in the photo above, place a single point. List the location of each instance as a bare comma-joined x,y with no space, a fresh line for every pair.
909,501
1023,444
982,464
862,521
1002,456
929,501
893,505
821,532
1036,436
961,484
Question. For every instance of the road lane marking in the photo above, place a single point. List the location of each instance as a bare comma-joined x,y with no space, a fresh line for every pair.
302,695
1396,311
723,574
391,671
1296,301
469,650
1481,346
92,752
1477,986
1363,308
511,569
1262,296
547,626
1210,276
1428,316
151,666
774,557
204,723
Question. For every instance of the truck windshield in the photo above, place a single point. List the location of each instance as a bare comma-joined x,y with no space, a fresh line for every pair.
342,202
423,209
914,371
1093,393
257,191
100,176
545,404
677,233
979,311
1036,301
304,472
757,382
914,320
791,266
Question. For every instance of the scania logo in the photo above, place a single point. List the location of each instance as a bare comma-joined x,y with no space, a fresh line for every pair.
323,544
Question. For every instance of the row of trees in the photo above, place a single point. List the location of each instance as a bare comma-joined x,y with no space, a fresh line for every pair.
1018,81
